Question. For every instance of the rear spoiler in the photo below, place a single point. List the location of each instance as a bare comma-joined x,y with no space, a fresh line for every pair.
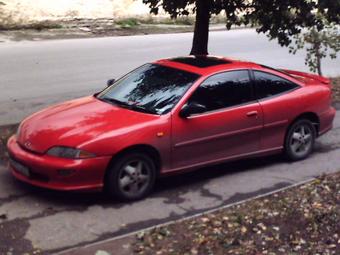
316,77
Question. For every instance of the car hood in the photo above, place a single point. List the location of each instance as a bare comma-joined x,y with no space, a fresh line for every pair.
76,122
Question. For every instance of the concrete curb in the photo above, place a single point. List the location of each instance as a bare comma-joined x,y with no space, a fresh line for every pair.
67,251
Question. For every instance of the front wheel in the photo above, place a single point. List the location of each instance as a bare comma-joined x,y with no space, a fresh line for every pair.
299,141
131,177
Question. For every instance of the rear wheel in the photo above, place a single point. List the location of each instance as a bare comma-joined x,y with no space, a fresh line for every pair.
299,141
131,177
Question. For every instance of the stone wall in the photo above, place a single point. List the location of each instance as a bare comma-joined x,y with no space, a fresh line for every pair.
26,11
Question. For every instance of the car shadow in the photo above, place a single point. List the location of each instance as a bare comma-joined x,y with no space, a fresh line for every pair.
170,187
173,186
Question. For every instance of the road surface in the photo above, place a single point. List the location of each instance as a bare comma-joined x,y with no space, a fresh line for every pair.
52,221
36,74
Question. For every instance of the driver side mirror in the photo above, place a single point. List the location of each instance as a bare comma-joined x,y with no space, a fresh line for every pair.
110,82
192,108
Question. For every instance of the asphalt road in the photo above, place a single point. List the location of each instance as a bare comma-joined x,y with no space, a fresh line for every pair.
32,218
36,74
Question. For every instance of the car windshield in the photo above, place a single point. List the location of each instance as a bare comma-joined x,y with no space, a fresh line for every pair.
150,88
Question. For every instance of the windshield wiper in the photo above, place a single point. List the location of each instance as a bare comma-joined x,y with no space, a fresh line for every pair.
114,101
127,105
141,109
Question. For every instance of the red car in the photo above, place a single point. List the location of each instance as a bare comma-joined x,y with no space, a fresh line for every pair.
167,117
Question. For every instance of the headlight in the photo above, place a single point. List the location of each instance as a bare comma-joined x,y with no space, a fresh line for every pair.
71,153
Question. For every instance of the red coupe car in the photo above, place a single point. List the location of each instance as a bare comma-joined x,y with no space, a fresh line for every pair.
167,117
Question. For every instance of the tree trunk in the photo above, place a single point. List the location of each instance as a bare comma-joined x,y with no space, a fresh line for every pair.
317,49
201,33
318,61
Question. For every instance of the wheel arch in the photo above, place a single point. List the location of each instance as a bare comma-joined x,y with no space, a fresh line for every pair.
142,148
313,117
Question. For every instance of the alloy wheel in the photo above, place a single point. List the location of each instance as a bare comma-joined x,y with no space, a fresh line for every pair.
134,177
301,140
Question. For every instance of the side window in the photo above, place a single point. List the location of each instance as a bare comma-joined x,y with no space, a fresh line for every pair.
224,90
267,85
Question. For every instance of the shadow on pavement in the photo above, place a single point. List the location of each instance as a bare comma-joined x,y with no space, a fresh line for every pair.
166,187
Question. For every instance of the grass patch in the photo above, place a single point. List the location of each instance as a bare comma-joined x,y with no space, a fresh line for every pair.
128,23
134,22
185,21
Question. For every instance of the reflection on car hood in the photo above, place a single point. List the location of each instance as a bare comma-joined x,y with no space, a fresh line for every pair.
75,122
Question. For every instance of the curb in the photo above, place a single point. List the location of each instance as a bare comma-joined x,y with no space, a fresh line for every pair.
113,239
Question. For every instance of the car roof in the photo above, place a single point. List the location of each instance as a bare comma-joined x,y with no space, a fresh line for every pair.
205,65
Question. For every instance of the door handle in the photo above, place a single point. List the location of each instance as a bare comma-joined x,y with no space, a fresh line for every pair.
252,114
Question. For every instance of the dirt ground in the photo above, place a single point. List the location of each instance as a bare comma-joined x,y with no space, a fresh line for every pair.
5,133
104,27
86,32
301,220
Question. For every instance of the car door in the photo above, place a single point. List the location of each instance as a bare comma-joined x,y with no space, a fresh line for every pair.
230,126
279,104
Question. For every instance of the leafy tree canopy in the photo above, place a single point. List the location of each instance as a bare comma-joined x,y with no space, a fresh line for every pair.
277,18
317,44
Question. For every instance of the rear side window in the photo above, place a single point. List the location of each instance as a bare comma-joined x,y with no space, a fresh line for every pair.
224,90
267,85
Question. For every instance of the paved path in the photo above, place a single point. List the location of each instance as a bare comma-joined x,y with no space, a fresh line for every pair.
36,74
52,221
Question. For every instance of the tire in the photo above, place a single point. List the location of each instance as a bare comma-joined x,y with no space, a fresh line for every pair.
299,140
131,177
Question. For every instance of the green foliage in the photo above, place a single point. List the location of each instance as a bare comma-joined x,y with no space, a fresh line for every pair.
128,23
279,19
133,22
185,20
318,45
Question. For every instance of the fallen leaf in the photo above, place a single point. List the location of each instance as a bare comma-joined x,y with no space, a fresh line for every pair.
102,253
205,220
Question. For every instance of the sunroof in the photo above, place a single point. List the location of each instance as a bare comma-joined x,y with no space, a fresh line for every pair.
201,61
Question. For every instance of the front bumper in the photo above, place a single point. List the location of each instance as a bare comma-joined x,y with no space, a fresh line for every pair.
45,171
